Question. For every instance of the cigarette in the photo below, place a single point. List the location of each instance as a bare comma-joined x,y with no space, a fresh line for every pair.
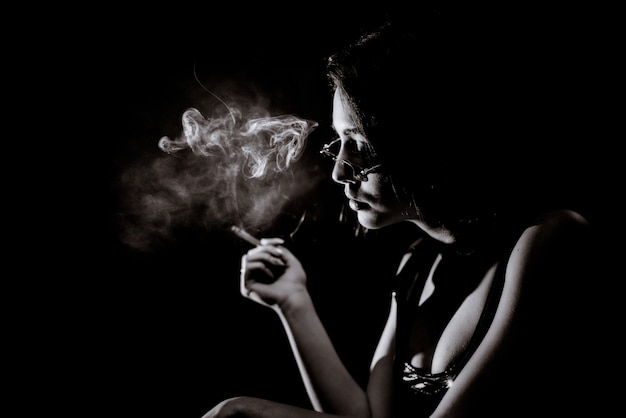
245,235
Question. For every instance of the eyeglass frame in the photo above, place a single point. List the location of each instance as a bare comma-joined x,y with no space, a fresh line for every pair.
358,172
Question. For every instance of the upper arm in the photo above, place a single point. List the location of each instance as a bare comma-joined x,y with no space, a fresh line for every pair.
380,385
530,344
386,342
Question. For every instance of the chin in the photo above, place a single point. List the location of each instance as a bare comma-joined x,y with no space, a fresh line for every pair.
370,220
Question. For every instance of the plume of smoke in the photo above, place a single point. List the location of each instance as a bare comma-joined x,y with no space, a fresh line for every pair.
262,145
217,171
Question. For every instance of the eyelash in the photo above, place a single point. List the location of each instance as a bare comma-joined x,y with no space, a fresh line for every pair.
355,148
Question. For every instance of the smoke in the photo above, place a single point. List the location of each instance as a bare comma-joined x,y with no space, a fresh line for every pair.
230,169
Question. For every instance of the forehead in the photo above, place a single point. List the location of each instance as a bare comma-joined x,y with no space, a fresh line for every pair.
343,121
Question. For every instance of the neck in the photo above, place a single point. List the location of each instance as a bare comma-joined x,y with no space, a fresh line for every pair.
439,233
461,238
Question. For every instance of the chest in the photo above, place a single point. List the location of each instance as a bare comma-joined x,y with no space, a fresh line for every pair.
447,308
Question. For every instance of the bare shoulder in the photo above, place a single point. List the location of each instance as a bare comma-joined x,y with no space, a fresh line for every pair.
553,230
563,218
560,221
558,243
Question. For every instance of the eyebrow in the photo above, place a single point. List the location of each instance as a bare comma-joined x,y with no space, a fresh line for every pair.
348,131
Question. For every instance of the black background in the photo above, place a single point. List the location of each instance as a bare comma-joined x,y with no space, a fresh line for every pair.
107,329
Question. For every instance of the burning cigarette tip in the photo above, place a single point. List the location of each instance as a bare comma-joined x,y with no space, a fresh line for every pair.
245,235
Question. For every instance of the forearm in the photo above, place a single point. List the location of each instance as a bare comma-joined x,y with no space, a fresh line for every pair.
261,408
329,385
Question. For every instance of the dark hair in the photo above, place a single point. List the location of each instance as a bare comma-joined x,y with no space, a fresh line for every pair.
443,102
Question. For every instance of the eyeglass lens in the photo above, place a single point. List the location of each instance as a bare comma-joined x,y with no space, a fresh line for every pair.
332,150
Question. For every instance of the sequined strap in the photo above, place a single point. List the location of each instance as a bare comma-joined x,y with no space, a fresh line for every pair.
426,383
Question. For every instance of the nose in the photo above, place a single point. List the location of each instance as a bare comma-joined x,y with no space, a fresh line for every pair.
343,173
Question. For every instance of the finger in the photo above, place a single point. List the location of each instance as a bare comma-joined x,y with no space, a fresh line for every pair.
258,267
247,267
273,256
243,275
253,274
255,297
254,292
274,250
272,241
265,249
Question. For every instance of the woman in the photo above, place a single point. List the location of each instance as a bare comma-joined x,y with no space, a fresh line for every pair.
485,317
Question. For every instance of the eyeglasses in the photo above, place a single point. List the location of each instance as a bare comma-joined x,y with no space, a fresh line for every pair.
358,172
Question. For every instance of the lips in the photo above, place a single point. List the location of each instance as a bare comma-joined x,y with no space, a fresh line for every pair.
356,205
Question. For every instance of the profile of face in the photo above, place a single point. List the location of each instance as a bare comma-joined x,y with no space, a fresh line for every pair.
370,193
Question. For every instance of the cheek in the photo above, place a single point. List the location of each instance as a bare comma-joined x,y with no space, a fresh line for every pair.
386,197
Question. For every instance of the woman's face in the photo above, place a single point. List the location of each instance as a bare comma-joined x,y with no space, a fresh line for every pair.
373,200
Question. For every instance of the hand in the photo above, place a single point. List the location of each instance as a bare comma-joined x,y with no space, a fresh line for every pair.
270,274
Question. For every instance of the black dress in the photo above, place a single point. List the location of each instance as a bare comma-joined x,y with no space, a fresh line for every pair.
416,391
